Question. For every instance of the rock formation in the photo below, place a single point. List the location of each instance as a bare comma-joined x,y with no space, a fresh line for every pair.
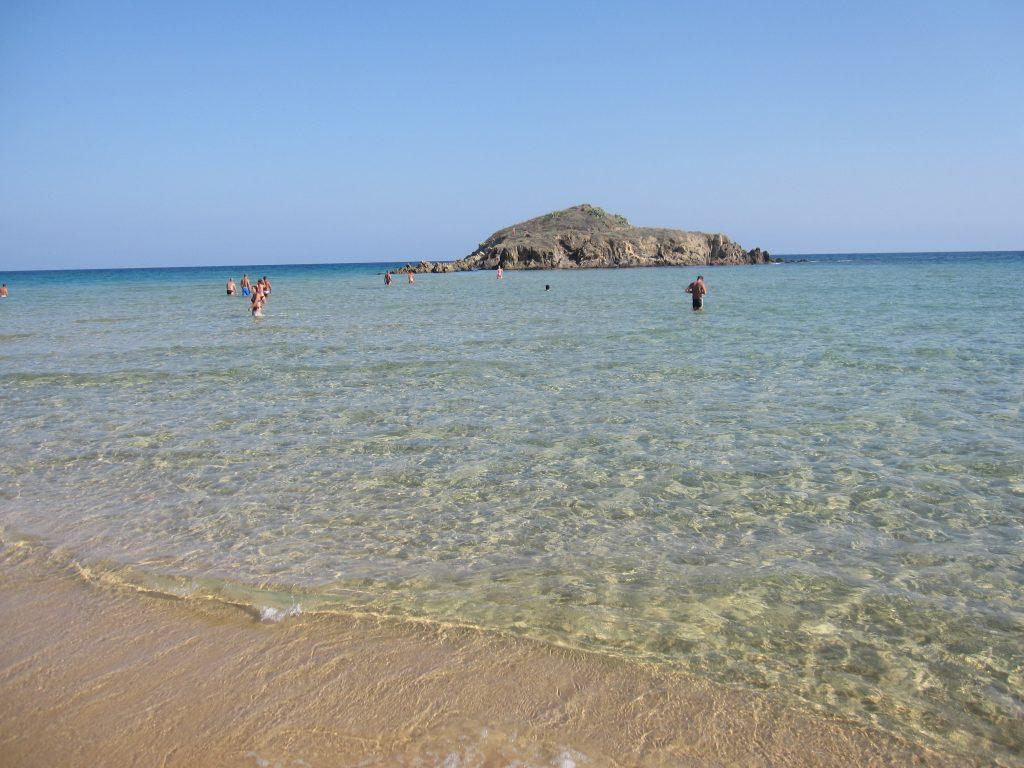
587,237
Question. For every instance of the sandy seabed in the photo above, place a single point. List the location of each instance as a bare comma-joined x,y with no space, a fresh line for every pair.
96,675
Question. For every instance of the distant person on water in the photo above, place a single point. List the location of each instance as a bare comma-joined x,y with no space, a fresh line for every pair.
501,273
411,278
266,285
547,287
3,291
246,285
698,290
231,286
387,278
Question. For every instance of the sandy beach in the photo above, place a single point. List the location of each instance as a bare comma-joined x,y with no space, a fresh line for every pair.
93,674
471,385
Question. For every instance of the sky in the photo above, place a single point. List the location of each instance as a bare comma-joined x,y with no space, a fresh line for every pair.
181,133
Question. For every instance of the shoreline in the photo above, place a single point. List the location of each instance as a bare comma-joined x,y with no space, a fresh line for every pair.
100,675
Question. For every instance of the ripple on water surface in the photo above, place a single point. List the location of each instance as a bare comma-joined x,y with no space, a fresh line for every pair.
812,486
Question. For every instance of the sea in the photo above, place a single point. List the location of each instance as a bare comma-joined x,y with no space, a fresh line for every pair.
813,486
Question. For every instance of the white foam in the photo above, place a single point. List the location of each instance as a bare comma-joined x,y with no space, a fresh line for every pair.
566,760
469,756
269,613
264,763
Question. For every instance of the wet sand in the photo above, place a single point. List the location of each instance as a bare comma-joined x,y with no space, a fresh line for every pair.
102,676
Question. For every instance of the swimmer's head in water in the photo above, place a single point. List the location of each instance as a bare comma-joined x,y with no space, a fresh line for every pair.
547,287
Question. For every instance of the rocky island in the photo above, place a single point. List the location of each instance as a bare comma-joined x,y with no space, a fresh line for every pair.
588,237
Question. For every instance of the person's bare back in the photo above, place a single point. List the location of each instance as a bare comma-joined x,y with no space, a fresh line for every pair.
697,289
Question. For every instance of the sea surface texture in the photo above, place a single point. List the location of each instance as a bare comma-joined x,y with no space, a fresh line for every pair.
814,486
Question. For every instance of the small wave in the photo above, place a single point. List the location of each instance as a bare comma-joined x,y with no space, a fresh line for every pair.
262,762
103,320
271,614
249,599
506,755
472,756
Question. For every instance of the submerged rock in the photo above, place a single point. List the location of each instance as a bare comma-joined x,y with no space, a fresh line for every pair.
587,237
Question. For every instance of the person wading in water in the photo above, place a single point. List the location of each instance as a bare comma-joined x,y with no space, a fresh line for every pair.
698,290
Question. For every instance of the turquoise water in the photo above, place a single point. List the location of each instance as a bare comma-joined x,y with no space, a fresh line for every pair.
815,486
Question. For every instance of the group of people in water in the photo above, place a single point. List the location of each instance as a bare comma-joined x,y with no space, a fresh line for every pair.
260,292
257,294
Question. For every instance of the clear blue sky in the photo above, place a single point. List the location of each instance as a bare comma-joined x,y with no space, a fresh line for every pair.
146,134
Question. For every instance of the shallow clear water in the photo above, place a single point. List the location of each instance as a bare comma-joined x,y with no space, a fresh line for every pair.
815,485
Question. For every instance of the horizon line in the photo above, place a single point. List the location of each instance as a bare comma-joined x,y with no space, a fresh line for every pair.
442,261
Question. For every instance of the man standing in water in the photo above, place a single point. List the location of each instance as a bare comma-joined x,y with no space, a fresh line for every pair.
3,291
246,285
387,277
697,289
231,286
